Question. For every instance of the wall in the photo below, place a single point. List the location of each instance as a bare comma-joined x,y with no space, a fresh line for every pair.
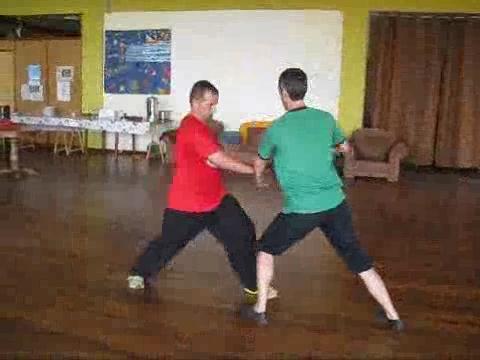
92,13
92,38
354,33
242,53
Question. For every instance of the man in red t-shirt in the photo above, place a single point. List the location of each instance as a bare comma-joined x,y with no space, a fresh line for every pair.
197,199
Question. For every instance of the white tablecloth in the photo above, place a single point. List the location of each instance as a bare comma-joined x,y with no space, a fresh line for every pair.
119,126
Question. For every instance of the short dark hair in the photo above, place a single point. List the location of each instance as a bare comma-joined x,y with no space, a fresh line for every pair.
200,88
294,82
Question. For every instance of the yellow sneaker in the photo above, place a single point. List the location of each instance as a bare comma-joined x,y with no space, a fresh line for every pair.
251,296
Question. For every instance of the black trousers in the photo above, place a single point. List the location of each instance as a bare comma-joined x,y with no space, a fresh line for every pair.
228,223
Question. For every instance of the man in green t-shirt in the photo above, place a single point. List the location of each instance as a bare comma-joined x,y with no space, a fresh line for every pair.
302,144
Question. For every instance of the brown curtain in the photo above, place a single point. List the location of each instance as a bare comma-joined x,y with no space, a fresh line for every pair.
458,134
412,67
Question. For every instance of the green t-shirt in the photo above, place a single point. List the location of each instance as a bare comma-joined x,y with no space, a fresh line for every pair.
301,144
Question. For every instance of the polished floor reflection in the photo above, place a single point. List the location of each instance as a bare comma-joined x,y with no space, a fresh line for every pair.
68,236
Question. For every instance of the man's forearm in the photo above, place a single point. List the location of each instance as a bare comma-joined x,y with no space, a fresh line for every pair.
259,166
237,166
223,161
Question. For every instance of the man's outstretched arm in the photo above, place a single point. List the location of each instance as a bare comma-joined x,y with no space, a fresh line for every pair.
223,161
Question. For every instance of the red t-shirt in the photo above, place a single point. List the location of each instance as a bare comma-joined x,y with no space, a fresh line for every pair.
196,186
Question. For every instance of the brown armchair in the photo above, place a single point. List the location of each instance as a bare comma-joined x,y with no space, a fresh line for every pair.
375,153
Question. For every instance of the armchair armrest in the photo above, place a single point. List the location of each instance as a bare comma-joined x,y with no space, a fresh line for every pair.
398,152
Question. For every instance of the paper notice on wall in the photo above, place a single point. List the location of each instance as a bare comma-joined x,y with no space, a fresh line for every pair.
31,92
64,91
34,73
24,92
64,73
36,92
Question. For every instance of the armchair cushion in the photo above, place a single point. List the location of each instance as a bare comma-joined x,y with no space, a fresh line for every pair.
372,144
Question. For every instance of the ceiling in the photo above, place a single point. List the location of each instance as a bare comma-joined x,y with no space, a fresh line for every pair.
37,26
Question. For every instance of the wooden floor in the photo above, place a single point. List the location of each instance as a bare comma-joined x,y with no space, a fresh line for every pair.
68,237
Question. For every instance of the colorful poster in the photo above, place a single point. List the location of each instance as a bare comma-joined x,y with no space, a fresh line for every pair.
138,62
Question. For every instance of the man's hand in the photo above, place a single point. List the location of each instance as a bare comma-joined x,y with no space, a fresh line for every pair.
209,163
344,147
260,183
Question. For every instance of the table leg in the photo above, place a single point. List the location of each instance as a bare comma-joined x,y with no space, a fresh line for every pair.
14,167
116,145
104,140
68,145
14,154
133,143
85,141
147,157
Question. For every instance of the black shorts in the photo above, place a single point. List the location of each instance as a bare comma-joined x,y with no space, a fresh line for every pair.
336,224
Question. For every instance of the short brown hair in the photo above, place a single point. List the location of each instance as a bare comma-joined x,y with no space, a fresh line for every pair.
294,82
200,88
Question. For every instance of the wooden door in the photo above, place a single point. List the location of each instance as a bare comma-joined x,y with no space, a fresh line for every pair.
7,79
30,52
61,53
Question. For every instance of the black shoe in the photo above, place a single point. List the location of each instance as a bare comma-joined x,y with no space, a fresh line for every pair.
396,325
247,312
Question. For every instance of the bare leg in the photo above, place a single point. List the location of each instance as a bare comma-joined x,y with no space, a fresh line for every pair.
264,278
377,289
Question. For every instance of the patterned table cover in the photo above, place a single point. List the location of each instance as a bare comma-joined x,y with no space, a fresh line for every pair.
108,125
